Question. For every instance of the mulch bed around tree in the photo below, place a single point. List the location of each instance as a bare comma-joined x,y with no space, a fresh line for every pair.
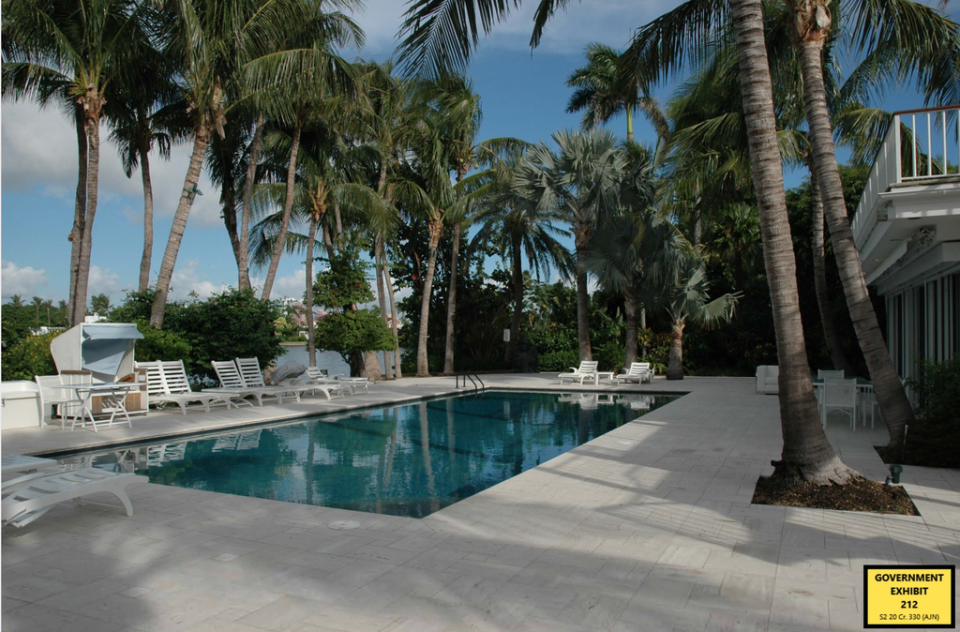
859,495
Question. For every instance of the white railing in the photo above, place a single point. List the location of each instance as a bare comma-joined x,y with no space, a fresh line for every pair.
933,152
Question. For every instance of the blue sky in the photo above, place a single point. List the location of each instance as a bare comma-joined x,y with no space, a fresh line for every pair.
523,95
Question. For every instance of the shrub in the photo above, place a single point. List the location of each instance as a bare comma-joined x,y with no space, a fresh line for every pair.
350,333
610,356
559,361
934,440
29,357
159,344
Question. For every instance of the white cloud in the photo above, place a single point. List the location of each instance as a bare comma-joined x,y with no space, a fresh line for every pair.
40,148
186,279
22,281
291,286
103,281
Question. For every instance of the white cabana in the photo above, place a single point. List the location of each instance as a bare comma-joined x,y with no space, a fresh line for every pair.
104,349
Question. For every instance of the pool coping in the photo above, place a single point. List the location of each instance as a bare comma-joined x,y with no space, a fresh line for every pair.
36,441
253,425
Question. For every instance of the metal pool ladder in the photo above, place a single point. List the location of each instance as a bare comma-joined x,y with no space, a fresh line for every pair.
481,388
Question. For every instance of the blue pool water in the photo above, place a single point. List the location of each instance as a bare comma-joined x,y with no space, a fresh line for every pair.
409,460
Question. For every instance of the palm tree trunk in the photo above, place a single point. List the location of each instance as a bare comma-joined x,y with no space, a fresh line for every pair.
86,241
894,405
287,210
80,208
423,368
338,238
147,257
311,330
516,246
582,243
243,265
452,300
629,125
806,452
228,209
675,358
394,324
632,314
328,242
837,356
169,261
378,248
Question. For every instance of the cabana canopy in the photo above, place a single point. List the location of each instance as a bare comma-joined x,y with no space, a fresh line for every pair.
104,349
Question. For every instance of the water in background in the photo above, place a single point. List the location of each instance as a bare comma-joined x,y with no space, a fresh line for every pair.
326,360
408,460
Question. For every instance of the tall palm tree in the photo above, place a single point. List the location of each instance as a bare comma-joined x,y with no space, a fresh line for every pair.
519,226
664,45
269,43
73,50
585,180
897,27
143,114
604,89
633,254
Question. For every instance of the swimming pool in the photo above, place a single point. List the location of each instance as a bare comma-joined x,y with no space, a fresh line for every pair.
409,460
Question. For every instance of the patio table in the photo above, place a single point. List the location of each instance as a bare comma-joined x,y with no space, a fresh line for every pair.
112,394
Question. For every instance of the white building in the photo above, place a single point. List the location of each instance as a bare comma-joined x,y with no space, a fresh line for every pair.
907,229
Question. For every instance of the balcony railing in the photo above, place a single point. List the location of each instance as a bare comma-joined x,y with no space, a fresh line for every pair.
919,148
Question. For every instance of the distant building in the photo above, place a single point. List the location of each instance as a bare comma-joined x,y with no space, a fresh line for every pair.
94,318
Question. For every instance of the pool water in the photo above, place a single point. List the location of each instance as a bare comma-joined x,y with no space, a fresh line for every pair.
409,460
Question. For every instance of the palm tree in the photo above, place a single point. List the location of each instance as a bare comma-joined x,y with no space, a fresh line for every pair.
37,303
268,44
306,97
896,27
604,89
585,180
73,51
663,45
684,296
633,254
143,114
519,226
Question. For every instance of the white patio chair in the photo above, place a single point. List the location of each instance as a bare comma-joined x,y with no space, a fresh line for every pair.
253,377
586,371
639,372
839,395
53,394
823,374
768,379
232,382
27,498
167,384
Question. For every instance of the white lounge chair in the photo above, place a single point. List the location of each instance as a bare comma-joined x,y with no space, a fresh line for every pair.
315,377
27,498
586,371
232,382
639,372
167,384
253,377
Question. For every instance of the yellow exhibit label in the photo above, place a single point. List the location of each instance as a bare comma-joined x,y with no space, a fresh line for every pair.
909,596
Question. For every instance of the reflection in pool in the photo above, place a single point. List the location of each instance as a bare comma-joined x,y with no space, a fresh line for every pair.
408,460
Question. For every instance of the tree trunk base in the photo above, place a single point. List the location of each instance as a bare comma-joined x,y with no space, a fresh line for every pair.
833,471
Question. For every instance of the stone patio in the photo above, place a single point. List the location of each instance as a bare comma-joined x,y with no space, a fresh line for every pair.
647,528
